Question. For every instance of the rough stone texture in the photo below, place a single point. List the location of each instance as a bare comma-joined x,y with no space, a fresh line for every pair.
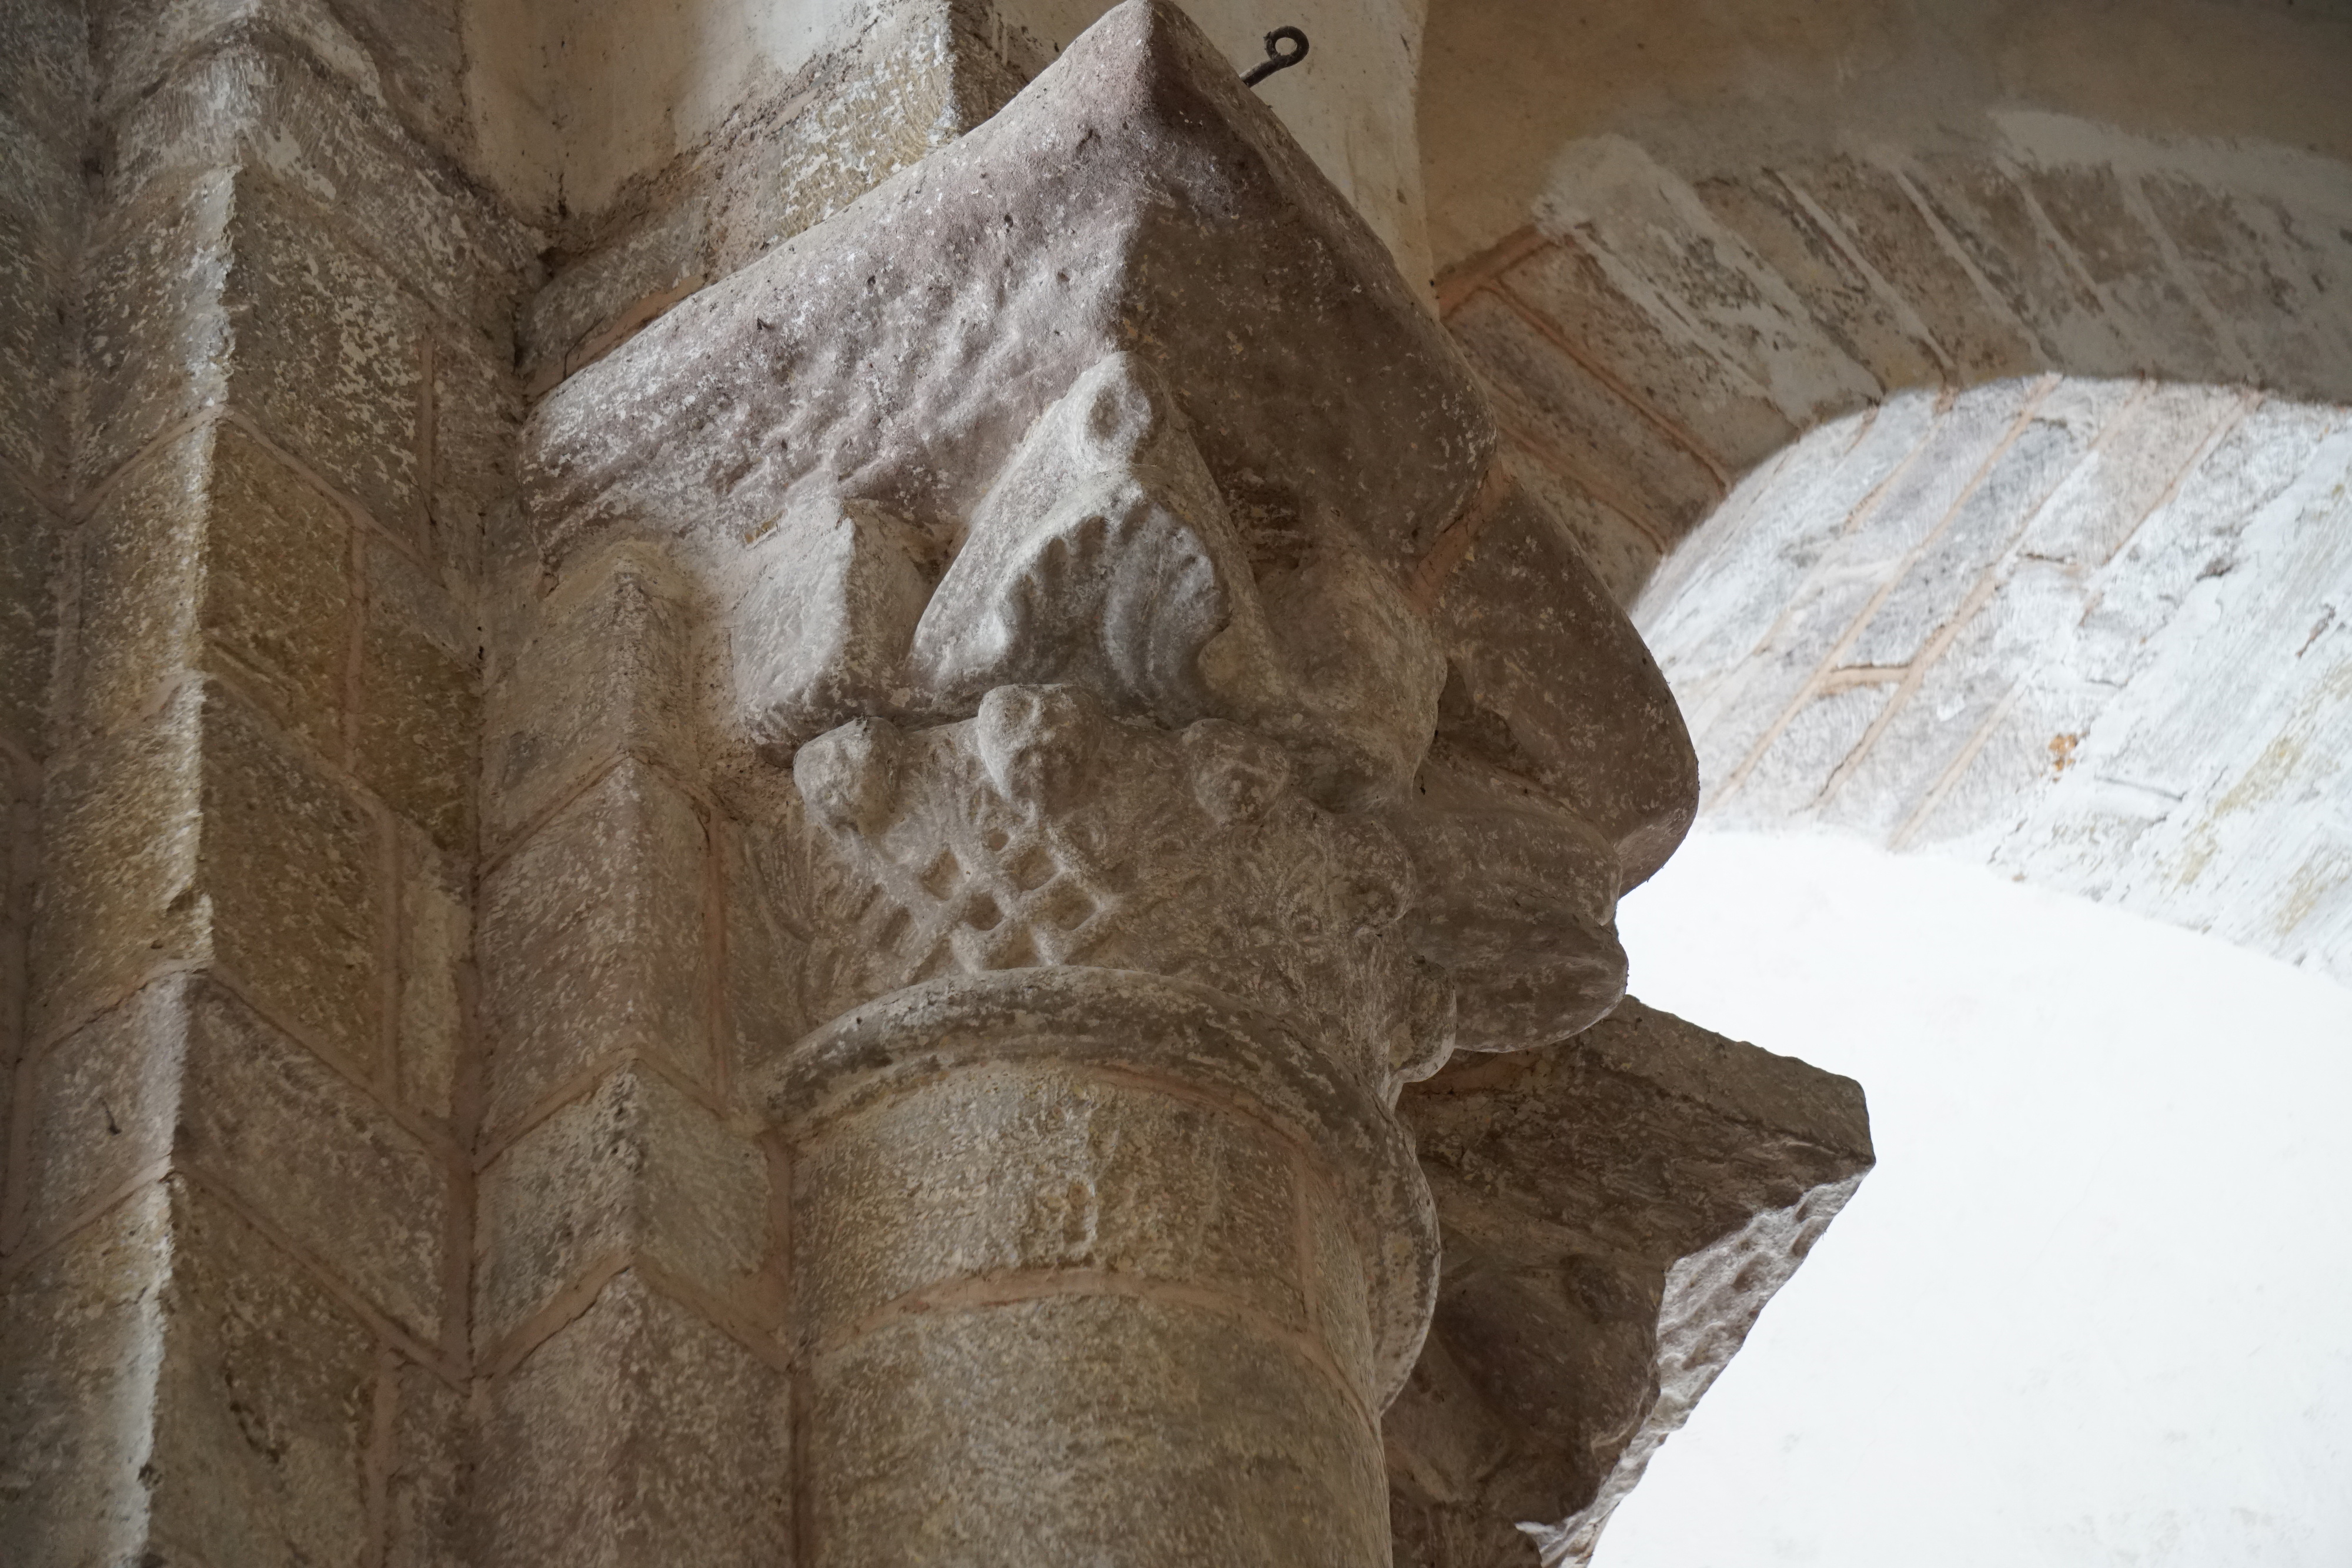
1146,617
262,1401
436,934
1169,1435
45,86
1102,658
290,863
1111,1180
1172,1037
902,394
913,79
634,1171
2090,632
1616,1209
117,895
79,1347
425,1492
638,1434
600,669
418,697
1727,312
1542,657
255,93
330,353
248,1024
156,337
592,939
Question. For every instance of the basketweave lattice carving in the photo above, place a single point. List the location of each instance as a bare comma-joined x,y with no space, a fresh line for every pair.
1044,831
1177,758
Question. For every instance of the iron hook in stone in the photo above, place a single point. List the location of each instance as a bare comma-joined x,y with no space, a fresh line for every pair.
1275,60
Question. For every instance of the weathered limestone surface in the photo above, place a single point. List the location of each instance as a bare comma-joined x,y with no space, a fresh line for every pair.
1617,1209
832,983
1654,333
1235,238
2090,632
233,1229
2013,429
1103,722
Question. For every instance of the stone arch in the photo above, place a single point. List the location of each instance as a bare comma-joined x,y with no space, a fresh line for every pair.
1975,469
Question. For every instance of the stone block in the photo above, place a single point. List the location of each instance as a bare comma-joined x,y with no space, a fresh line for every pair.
477,410
155,338
1839,298
634,1170
120,895
30,535
419,701
1620,554
1875,213
425,1521
2019,629
1997,790
2197,533
637,1435
46,79
139,43
1548,401
264,1404
142,590
186,1071
2266,267
1080,1429
270,97
40,220
1712,402
293,870
1788,778
309,1151
417,48
1995,223
1643,222
2138,460
436,945
766,879
2101,223
2016,478
81,1331
1740,714
1538,646
1719,598
660,257
603,671
104,1101
278,594
916,391
1005,1170
1916,501
592,942
917,79
330,357
1617,1209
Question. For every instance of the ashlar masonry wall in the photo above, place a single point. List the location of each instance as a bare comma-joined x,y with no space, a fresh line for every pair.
235,1248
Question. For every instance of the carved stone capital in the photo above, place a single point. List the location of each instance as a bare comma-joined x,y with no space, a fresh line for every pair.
1071,522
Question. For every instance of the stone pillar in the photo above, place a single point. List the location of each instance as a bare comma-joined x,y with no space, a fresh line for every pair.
1091,1260
1082,1276
234,1239
1112,793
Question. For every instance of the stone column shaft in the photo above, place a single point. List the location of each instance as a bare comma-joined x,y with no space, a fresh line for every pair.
1067,1297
